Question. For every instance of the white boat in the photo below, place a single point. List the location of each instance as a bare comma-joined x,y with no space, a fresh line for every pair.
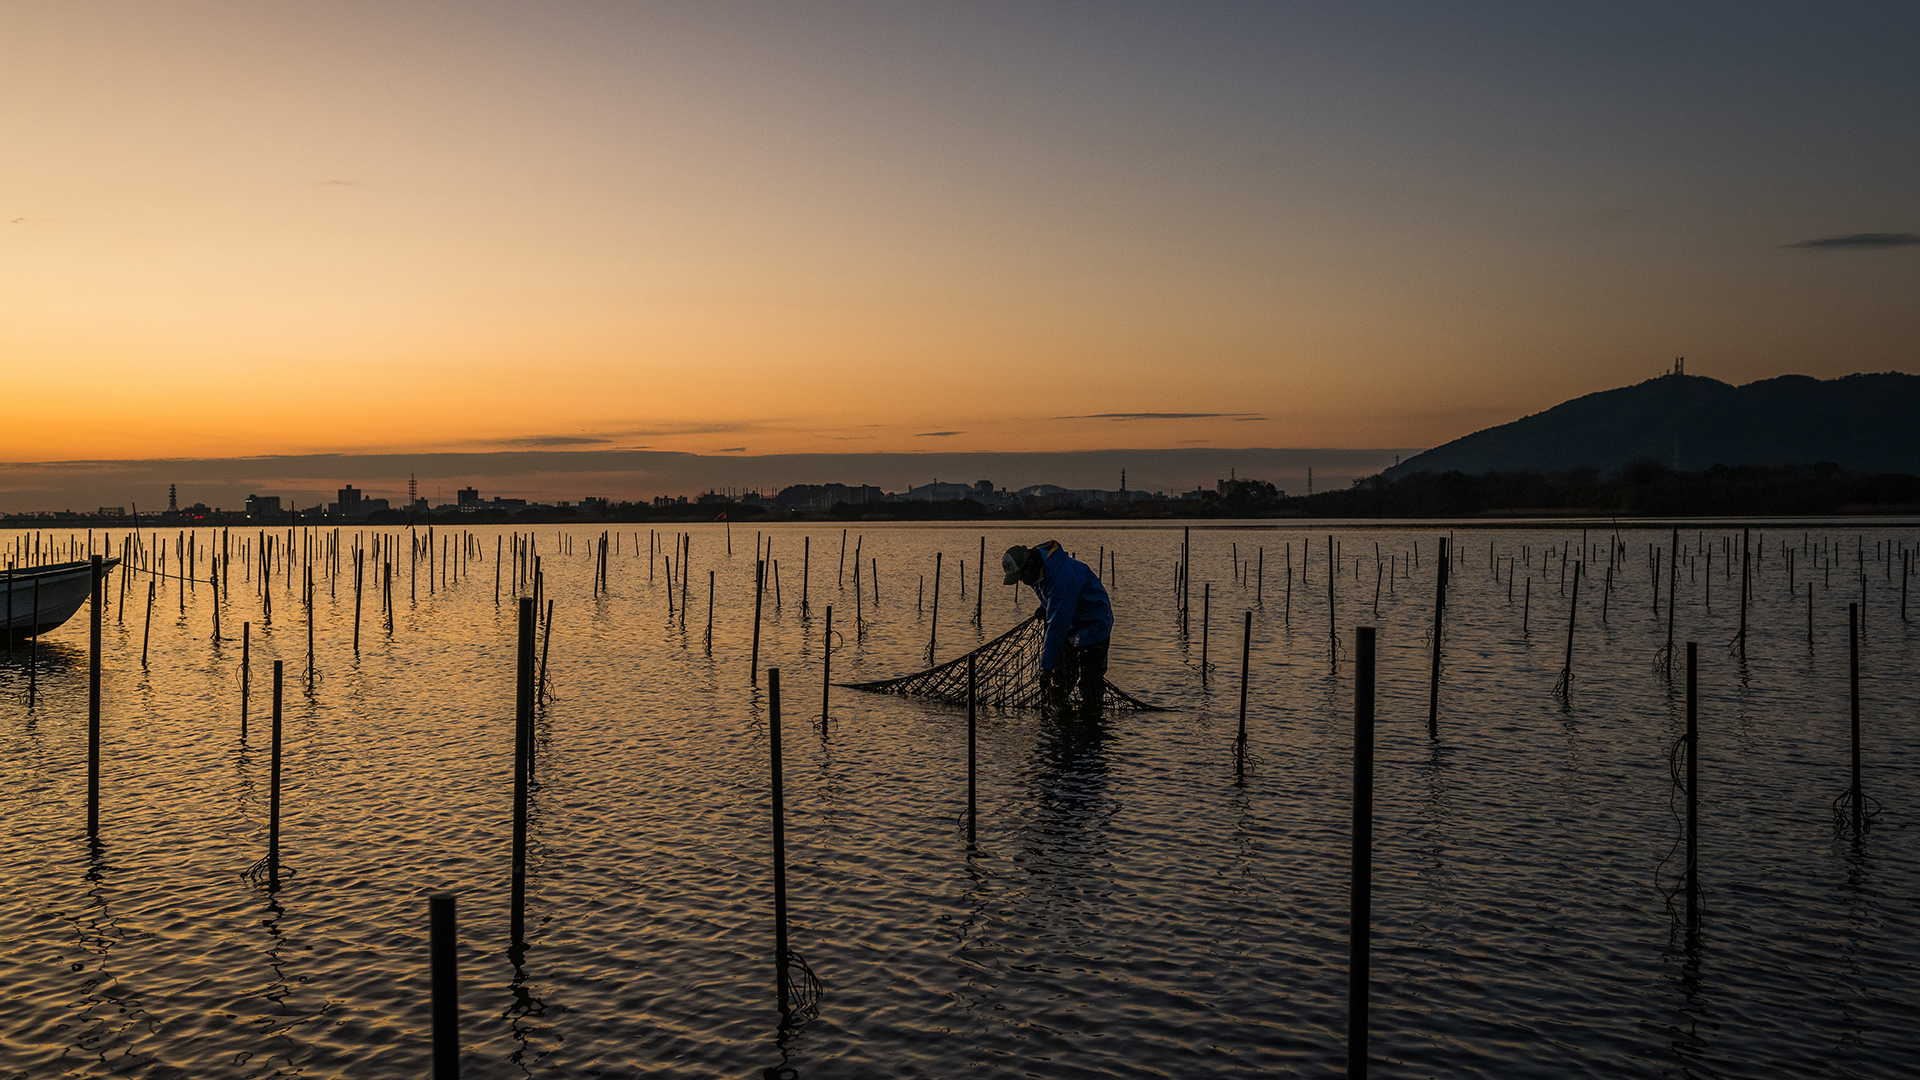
40,598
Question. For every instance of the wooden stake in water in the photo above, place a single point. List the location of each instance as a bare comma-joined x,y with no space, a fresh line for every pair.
1693,784
93,702
273,785
246,674
1439,626
1206,609
1333,573
1573,610
1746,555
522,747
759,571
1673,601
1246,658
310,671
826,670
444,969
933,624
973,708
1360,903
806,571
146,630
709,613
980,586
540,685
780,950
1853,689
1186,563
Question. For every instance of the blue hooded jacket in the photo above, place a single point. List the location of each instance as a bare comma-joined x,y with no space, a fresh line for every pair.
1076,606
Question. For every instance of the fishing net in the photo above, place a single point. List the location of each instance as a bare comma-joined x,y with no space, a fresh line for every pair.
1008,669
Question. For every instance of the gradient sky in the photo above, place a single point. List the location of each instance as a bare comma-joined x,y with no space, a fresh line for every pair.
265,228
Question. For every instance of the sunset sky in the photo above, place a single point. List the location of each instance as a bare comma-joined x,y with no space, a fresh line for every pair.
778,228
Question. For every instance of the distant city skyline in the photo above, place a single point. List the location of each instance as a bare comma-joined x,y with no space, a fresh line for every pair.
638,476
230,230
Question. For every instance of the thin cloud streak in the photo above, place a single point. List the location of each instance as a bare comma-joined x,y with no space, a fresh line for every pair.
1159,416
549,440
1865,240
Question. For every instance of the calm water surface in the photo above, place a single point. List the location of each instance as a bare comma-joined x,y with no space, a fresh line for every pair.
1130,909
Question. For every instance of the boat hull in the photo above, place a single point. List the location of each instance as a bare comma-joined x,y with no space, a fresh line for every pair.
62,591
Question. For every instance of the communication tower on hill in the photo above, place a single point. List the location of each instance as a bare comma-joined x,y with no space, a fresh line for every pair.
173,502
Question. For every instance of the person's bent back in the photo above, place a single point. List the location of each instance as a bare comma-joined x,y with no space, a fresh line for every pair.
1078,616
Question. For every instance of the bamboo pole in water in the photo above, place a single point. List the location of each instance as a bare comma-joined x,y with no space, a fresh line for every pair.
780,950
444,972
826,670
93,700
980,586
973,708
1573,611
273,796
1360,896
759,571
1853,688
1693,784
933,624
1439,627
1246,658
1206,610
146,630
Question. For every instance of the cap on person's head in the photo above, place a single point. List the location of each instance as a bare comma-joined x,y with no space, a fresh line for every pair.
1014,562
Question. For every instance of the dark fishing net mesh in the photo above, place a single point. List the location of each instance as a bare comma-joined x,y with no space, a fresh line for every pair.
1008,672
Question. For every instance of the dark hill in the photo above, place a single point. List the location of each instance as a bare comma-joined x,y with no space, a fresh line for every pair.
1864,423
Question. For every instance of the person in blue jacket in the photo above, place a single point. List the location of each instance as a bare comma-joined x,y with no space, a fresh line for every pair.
1078,617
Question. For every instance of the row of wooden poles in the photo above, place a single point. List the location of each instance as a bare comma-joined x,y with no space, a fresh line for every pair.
1885,551
441,906
528,689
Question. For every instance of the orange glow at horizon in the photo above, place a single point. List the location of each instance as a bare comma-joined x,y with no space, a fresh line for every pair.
237,230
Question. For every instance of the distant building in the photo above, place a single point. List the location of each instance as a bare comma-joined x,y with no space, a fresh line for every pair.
469,497
112,511
349,505
594,503
825,496
939,492
258,505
